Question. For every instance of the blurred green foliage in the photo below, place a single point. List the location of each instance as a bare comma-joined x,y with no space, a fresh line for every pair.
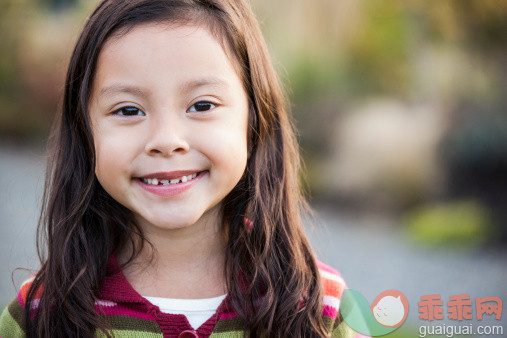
36,37
59,4
347,50
453,223
375,61
12,12
23,115
379,55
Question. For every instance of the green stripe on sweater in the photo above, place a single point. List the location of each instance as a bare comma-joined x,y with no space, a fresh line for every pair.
229,334
230,324
343,331
129,334
8,325
328,322
127,323
17,312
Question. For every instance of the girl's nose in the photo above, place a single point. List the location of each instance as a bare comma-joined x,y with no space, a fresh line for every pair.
166,139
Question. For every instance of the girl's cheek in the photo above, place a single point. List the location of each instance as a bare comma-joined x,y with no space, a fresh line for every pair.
113,148
228,138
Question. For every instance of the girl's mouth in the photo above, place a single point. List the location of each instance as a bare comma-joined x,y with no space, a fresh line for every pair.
170,187
155,181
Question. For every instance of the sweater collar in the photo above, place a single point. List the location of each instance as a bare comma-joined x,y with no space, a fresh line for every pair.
115,287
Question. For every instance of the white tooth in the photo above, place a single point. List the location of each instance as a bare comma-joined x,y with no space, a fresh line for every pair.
184,179
165,182
194,175
189,177
175,181
148,180
154,181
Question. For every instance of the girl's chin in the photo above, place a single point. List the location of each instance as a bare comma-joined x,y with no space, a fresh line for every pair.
177,219
174,223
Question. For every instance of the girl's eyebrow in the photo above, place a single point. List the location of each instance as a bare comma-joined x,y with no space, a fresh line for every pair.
122,88
183,88
203,82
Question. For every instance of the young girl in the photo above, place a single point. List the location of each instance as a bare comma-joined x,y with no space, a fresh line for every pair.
172,204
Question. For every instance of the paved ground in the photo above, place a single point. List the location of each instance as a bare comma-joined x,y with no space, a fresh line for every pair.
21,182
373,256
370,252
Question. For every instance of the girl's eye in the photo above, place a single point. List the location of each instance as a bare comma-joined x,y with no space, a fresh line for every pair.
201,106
128,111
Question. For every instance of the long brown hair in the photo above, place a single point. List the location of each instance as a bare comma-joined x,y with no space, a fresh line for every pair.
272,277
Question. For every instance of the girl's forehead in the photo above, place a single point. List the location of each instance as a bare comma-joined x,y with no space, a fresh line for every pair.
163,57
147,32
175,42
179,30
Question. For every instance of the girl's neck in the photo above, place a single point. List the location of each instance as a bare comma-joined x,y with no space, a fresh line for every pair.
185,263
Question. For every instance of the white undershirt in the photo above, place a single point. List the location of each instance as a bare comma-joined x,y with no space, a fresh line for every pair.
197,311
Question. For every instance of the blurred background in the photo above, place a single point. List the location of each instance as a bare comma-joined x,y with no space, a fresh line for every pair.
401,112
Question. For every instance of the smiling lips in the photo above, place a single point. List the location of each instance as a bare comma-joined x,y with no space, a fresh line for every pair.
170,183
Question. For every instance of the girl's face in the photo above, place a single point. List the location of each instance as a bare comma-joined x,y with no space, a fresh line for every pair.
169,116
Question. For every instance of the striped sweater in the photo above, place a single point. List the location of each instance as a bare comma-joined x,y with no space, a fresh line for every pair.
131,315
